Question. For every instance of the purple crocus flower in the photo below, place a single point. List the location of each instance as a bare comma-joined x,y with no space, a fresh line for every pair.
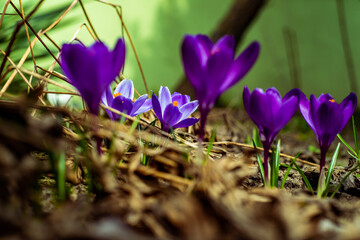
122,100
173,111
326,118
92,69
211,68
270,113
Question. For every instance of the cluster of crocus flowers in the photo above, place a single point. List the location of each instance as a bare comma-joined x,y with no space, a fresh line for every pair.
326,118
270,113
212,69
92,69
173,110
122,100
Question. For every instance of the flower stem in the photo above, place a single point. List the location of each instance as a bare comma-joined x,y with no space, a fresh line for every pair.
203,119
322,159
266,164
321,183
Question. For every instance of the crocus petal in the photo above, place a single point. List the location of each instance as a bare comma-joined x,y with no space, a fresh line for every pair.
192,61
172,115
348,106
92,69
259,110
216,70
137,104
107,99
186,122
122,104
164,97
205,45
118,56
241,66
224,44
324,97
188,109
286,111
180,99
147,105
327,121
125,88
157,107
81,69
246,98
304,107
274,100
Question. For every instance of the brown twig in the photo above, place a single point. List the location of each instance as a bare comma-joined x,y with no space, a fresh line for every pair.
14,34
3,13
27,34
88,20
34,32
261,149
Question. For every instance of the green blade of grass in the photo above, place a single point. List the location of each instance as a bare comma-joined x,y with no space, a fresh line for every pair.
260,164
173,133
357,147
346,144
332,165
256,138
61,177
212,139
285,176
275,164
134,125
288,170
343,180
352,155
306,181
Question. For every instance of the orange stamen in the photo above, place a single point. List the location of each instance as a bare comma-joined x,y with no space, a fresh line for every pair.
176,103
332,100
116,95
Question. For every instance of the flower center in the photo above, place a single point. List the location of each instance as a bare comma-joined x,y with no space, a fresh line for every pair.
331,100
176,103
116,95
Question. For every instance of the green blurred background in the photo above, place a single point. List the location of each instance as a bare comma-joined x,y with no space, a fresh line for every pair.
157,28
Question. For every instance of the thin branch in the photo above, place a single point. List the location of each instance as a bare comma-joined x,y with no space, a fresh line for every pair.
3,13
261,149
27,34
14,34
88,20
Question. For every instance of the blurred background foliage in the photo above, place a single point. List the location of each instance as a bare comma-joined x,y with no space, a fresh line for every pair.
301,40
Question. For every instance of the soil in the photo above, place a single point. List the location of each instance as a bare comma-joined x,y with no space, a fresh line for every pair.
178,194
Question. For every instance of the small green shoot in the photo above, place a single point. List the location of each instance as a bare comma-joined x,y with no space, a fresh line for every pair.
256,138
212,139
353,153
134,124
275,164
343,180
57,161
306,181
260,164
173,133
314,149
288,170
323,185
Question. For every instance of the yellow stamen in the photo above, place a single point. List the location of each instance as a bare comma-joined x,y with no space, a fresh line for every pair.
116,95
332,100
176,103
